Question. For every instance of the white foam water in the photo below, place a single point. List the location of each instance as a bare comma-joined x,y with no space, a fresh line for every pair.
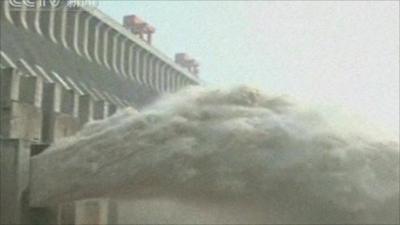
241,156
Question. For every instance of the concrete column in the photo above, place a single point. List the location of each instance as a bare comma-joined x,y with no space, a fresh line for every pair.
14,158
112,109
60,118
105,48
123,58
163,75
31,89
20,115
52,25
86,37
115,52
64,23
76,32
130,61
69,102
51,104
66,213
43,215
52,95
95,212
149,68
175,74
138,64
100,110
168,79
86,105
9,81
144,70
6,6
96,42
157,75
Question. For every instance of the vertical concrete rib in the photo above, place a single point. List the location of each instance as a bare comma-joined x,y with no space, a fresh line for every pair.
168,79
181,82
163,76
130,61
166,73
138,65
155,75
38,12
23,16
178,85
105,47
149,71
96,42
144,68
122,59
63,27
173,82
51,24
86,38
158,75
76,32
169,83
114,53
154,72
7,11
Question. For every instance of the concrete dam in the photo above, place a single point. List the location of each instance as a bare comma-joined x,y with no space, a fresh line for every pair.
100,127
62,67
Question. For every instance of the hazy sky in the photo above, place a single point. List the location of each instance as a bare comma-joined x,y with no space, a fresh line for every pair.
342,56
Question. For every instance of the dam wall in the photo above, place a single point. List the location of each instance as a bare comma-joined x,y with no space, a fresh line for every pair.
61,68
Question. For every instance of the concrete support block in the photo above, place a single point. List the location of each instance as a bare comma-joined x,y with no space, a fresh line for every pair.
9,84
112,109
63,214
86,105
95,212
14,158
100,109
52,94
66,213
21,115
44,216
59,108
76,105
31,89
69,102
19,120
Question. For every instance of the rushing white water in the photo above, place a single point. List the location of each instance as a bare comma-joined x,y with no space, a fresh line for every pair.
240,156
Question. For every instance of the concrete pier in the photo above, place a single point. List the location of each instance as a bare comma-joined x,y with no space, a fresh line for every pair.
14,165
60,107
21,114
95,211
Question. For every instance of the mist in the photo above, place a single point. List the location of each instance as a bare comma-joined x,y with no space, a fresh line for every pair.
242,156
